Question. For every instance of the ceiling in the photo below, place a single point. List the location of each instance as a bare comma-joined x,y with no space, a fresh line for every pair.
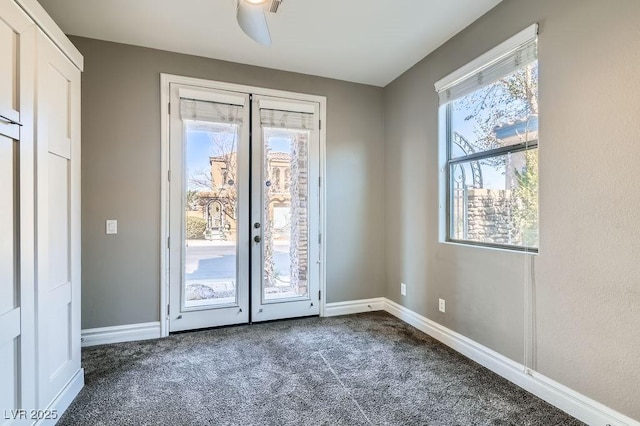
364,41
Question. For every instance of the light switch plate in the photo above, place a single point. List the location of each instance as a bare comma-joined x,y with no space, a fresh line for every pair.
112,226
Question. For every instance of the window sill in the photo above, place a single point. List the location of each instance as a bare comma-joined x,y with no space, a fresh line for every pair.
504,249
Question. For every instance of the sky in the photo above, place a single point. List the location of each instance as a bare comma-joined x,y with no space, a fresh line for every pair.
492,177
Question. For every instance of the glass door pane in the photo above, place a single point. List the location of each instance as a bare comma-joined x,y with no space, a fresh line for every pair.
210,215
208,208
285,216
285,209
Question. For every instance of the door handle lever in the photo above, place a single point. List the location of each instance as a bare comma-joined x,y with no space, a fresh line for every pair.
10,121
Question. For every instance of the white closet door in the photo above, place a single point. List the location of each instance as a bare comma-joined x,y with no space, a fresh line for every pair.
17,50
58,219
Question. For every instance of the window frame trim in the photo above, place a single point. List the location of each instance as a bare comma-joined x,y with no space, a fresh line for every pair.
496,152
492,153
445,136
507,247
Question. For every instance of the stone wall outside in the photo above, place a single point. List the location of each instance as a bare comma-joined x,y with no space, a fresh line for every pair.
490,217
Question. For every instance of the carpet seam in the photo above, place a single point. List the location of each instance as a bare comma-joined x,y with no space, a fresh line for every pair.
345,388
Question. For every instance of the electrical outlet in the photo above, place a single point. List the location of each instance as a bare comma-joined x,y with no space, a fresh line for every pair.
403,289
441,305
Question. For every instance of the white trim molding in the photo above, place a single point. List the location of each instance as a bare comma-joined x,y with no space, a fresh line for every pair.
120,333
579,406
52,31
354,307
64,399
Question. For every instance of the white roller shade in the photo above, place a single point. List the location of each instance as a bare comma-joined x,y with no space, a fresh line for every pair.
287,119
212,112
505,59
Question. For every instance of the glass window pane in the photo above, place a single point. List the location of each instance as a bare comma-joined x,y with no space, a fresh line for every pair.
286,221
211,240
495,200
501,114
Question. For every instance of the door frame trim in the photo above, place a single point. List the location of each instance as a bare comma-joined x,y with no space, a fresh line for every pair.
165,81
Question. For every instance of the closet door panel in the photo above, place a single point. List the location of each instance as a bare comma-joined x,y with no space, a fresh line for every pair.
8,76
8,252
17,62
7,65
10,361
13,24
59,230
58,321
58,291
9,285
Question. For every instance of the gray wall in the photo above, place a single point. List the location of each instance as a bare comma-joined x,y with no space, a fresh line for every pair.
121,176
586,276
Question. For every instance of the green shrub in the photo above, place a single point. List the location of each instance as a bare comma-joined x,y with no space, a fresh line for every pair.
195,228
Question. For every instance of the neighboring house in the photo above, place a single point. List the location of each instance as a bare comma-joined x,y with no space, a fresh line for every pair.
218,206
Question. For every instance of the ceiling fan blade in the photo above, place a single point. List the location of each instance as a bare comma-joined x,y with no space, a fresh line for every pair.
253,22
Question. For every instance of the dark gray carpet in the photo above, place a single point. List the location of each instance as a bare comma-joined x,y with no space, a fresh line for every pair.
353,370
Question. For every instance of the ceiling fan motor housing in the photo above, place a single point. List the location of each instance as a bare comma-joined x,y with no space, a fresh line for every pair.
275,4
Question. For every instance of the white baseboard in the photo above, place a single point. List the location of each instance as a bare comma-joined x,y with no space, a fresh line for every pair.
120,333
354,307
579,406
64,398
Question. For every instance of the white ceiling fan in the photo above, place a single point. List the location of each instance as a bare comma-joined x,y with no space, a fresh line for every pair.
252,19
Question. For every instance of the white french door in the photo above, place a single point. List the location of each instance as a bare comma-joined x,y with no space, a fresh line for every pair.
285,209
243,208
209,212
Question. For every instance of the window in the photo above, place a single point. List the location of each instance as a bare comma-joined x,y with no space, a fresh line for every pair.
489,142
